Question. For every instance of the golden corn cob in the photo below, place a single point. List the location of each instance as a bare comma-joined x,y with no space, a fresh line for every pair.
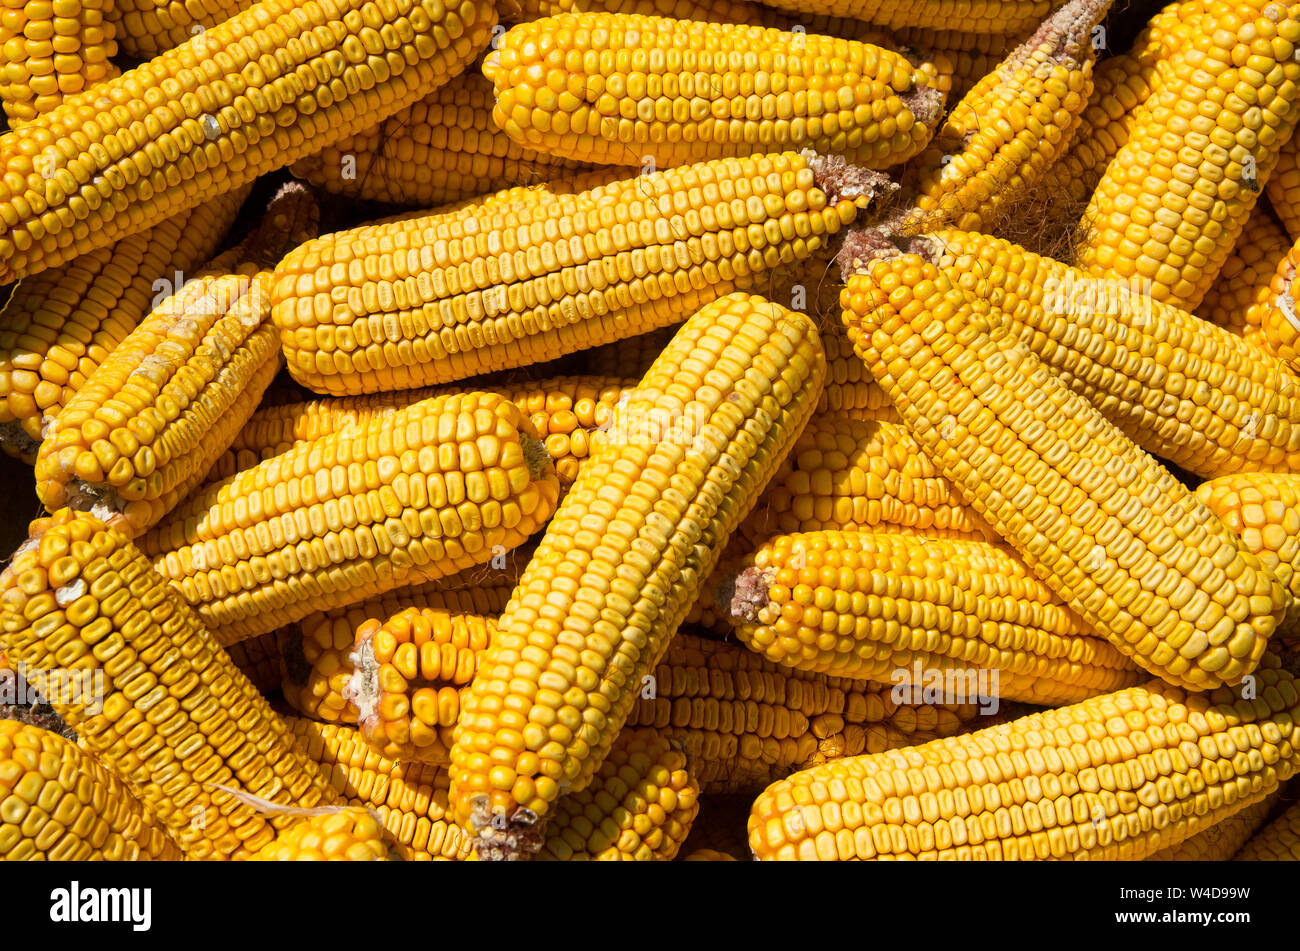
995,17
877,606
146,426
410,798
1171,204
744,722
1222,840
1119,776
501,285
1283,188
1182,388
1277,313
443,485
851,475
715,11
176,720
1013,125
337,834
58,803
619,564
1241,297
318,665
639,807
146,28
1263,509
270,85
60,325
441,149
258,658
615,89
52,50
1279,841
1107,528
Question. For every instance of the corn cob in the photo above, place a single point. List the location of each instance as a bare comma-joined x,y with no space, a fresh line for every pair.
146,28
1013,125
741,90
639,807
1263,509
258,658
270,85
442,149
51,51
1183,389
1277,313
441,486
146,426
502,285
876,606
1241,297
337,834
744,722
852,475
1171,204
59,326
318,666
1222,840
1283,188
683,462
176,721
1279,841
993,17
1113,533
57,803
410,798
1119,776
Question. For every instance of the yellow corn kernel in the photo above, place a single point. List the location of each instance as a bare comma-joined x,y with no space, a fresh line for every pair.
1243,295
146,28
340,834
1224,839
1279,841
50,51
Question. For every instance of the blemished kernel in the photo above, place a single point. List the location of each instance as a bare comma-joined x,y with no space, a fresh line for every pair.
210,349
532,275
1227,406
175,718
1009,434
230,121
1126,797
343,834
864,605
38,74
256,552
78,809
672,92
61,324
619,563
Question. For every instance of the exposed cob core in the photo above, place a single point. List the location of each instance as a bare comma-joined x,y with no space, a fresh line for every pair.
1112,532
620,563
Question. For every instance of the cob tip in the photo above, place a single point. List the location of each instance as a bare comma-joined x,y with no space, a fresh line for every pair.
748,593
843,181
501,839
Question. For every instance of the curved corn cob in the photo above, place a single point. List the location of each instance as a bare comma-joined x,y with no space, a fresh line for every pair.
497,285
638,808
884,607
341,834
146,426
270,85
1263,509
1277,313
58,803
409,673
996,17
318,666
1183,389
1107,528
410,798
442,149
1009,129
176,720
653,91
441,486
1283,188
744,722
1204,179
1119,776
1279,841
851,475
1242,295
51,51
146,28
619,564
60,325
1222,840
714,11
